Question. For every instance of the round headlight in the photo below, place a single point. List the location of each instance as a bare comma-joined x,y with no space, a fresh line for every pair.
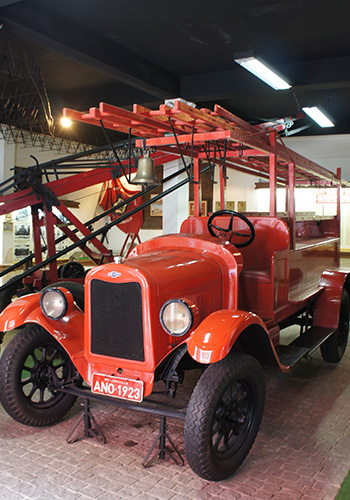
176,317
53,303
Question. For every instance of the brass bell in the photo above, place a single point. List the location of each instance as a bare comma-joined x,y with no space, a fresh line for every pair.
146,173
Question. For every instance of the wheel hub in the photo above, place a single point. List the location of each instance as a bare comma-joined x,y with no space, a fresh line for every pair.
233,418
43,375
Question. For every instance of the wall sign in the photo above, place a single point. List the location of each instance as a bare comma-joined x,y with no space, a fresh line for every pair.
325,196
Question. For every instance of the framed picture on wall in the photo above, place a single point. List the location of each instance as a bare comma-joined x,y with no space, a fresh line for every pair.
204,208
156,209
241,206
230,205
22,230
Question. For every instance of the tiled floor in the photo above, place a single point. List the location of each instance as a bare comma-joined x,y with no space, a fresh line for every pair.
302,449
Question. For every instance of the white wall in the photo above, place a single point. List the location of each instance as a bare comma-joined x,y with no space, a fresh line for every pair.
175,204
329,151
7,159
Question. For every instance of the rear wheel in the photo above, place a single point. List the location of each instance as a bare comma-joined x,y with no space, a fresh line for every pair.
72,269
333,348
224,415
27,367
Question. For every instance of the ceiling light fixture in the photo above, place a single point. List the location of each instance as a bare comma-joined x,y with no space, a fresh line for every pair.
259,69
66,122
320,118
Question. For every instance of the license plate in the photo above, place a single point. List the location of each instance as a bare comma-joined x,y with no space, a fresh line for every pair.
117,387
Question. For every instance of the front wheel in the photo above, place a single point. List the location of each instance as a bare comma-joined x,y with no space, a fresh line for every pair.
224,415
26,369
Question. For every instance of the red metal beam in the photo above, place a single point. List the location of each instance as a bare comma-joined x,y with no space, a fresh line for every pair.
84,230
291,204
272,158
155,126
186,138
208,126
197,187
60,187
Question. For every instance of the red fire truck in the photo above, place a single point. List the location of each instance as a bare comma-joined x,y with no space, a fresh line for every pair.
217,296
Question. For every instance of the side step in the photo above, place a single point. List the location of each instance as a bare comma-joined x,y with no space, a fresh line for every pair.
303,346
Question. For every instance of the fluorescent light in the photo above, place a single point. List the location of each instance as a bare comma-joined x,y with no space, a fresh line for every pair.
250,63
320,118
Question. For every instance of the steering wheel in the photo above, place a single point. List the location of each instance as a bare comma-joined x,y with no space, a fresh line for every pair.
228,233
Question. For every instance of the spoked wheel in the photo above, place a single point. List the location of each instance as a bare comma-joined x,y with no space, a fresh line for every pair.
72,270
223,416
28,365
333,348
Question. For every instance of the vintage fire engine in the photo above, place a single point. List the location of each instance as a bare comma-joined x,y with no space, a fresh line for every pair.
218,296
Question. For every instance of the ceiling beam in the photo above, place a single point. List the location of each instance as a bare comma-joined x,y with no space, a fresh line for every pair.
44,26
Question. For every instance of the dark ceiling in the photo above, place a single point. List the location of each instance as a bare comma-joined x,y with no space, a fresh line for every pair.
126,51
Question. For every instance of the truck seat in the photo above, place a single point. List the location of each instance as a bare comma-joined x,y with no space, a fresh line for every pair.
271,235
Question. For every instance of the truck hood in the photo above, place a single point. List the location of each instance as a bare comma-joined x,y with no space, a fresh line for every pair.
176,270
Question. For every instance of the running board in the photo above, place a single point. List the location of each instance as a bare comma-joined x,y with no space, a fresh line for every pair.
303,346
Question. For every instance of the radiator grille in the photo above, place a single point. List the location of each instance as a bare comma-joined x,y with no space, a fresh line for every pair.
116,320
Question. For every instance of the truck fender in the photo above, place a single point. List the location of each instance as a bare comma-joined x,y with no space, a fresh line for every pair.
327,305
68,331
15,314
214,337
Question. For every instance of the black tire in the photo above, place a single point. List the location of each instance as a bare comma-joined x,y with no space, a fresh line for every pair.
224,415
333,348
59,271
25,368
76,289
72,270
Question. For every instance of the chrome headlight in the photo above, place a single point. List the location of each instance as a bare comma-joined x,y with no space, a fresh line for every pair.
176,317
53,303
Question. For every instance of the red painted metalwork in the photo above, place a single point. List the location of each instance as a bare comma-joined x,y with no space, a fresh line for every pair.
277,271
338,198
132,237
244,140
291,203
54,190
273,175
270,276
238,298
197,188
327,304
209,343
247,148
